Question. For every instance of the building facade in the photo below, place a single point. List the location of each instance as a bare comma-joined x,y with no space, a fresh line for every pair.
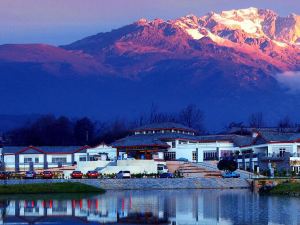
172,141
257,150
20,158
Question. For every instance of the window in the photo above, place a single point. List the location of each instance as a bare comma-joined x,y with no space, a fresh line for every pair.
210,155
173,144
59,160
82,158
36,160
170,155
27,160
281,152
194,156
92,158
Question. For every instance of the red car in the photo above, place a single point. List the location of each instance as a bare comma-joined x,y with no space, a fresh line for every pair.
93,174
47,175
3,175
76,175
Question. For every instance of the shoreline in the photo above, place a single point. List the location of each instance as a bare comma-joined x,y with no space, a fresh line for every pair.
283,189
147,183
50,188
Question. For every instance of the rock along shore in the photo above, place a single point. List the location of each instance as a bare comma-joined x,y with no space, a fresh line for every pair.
148,184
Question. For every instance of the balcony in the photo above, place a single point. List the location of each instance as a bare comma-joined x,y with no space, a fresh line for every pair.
247,156
274,156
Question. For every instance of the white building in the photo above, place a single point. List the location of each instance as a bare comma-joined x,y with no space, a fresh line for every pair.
172,141
264,147
155,144
18,158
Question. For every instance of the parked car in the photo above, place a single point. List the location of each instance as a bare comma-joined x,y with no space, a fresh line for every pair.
30,175
76,175
47,175
166,175
161,168
230,175
123,175
4,175
92,174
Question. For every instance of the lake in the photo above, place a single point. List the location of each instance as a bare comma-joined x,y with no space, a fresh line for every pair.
178,207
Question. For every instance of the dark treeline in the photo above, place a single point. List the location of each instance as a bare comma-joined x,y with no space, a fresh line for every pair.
50,130
257,120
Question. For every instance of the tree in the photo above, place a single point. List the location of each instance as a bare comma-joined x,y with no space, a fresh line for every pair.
63,134
284,123
227,165
236,128
84,131
256,120
109,132
192,116
155,116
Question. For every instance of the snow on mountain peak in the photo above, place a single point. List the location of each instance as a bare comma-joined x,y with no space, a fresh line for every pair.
249,26
247,20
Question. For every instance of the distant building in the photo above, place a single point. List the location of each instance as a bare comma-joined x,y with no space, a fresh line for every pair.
153,144
281,149
254,149
18,158
172,141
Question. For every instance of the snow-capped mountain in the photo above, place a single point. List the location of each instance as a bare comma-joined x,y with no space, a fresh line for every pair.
251,37
229,60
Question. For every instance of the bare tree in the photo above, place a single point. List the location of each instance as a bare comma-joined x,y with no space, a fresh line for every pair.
236,128
155,116
256,120
192,116
284,124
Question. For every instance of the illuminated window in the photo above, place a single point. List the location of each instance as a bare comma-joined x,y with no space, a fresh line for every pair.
194,155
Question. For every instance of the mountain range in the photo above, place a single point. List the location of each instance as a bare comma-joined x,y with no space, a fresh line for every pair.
230,64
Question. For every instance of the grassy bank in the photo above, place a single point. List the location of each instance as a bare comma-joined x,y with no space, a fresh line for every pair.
68,187
292,189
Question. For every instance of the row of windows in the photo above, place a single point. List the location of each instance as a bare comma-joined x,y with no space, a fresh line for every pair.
54,160
30,160
165,131
210,155
84,158
59,160
170,155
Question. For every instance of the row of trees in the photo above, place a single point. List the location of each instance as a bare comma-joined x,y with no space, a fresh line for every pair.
257,120
49,130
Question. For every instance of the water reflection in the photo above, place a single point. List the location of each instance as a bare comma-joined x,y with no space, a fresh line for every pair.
182,207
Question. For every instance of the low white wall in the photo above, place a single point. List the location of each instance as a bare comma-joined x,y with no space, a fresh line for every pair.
134,166
85,166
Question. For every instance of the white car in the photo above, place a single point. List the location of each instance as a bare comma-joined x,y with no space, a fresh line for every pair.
123,175
161,168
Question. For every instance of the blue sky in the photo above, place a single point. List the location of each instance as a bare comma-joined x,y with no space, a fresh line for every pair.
63,21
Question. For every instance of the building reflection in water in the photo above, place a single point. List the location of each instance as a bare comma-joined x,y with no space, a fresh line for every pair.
209,207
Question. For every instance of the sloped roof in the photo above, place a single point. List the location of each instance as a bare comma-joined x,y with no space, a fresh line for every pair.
263,129
279,136
140,140
164,126
43,149
240,140
221,137
159,139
